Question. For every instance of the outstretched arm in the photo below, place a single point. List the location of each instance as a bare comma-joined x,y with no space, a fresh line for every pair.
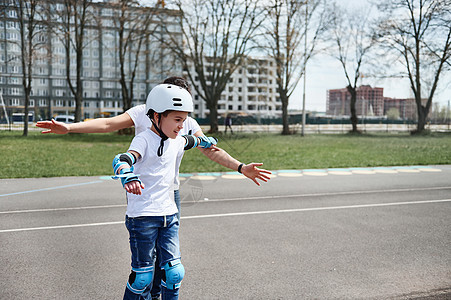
99,125
221,157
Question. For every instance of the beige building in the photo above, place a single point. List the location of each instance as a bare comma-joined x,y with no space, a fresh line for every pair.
251,90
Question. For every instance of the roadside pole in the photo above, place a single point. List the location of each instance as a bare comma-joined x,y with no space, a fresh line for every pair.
7,119
305,69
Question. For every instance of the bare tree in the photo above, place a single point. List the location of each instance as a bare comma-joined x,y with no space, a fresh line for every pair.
132,22
32,38
418,33
353,38
286,26
74,19
216,36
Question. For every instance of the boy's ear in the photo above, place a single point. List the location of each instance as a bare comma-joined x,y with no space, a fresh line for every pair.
156,117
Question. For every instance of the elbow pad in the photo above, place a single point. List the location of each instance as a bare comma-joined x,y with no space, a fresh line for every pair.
190,141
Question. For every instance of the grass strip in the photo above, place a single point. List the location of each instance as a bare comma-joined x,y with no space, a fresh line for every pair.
49,155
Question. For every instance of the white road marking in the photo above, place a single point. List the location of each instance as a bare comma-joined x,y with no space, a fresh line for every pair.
239,214
50,188
234,199
61,209
315,209
327,194
61,226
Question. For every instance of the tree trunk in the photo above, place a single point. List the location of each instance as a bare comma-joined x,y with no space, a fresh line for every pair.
422,115
214,128
126,105
354,119
79,88
285,127
25,119
78,101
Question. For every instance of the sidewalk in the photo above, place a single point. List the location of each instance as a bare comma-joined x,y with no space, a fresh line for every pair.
330,128
309,128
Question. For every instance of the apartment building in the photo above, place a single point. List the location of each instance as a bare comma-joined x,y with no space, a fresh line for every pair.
370,101
102,94
251,90
407,108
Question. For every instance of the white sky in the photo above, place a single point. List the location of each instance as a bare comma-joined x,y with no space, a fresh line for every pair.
325,73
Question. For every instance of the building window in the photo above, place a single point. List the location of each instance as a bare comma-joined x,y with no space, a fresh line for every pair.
14,102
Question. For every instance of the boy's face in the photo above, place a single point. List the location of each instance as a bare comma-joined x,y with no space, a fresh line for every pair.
172,123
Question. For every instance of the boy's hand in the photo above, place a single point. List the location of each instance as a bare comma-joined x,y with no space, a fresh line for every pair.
130,181
134,187
53,127
252,172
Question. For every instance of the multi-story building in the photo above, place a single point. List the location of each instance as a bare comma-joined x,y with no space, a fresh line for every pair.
407,108
102,94
370,101
251,90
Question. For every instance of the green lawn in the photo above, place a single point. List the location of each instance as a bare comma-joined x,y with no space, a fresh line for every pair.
48,155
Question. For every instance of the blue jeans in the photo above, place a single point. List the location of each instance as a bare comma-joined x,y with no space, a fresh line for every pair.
146,234
158,272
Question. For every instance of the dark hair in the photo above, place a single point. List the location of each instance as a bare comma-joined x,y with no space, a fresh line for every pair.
179,81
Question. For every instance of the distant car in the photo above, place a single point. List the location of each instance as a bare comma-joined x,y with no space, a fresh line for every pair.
18,118
65,119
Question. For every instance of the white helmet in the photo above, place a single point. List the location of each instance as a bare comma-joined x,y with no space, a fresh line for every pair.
165,97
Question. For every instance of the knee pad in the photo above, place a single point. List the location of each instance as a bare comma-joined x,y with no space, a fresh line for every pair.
173,274
140,279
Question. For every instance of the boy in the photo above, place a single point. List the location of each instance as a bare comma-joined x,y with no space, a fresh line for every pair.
151,217
136,116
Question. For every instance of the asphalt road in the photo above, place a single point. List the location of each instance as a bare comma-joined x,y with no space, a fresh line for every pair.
341,234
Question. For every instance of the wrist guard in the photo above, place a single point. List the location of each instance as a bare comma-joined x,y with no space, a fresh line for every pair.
202,141
125,160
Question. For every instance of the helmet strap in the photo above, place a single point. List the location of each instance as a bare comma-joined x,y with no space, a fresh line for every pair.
163,136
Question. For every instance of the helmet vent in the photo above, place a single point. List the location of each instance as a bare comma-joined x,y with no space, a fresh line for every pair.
177,100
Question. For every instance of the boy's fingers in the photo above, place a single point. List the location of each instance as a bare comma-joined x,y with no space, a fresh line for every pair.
256,182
